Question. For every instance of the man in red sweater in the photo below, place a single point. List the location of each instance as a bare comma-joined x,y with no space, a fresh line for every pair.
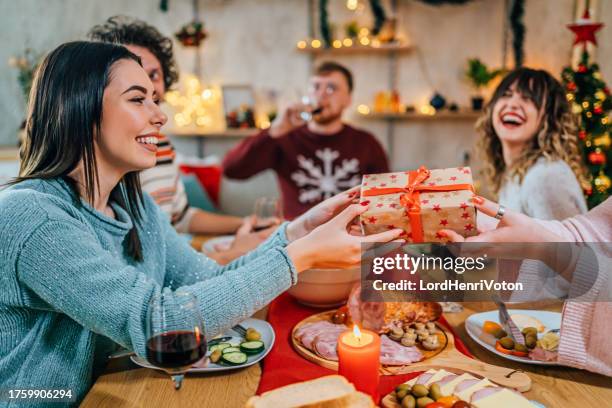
316,159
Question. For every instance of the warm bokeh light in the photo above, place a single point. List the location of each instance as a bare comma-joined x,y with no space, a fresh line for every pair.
347,42
315,44
427,110
337,44
301,44
363,109
197,105
352,4
364,41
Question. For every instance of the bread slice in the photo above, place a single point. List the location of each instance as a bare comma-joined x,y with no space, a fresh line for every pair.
332,391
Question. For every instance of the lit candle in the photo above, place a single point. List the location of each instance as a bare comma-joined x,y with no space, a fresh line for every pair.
359,360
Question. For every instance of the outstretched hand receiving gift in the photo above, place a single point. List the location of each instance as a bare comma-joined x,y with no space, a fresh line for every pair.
512,227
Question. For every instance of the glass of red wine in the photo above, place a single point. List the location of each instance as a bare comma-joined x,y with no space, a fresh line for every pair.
267,212
175,333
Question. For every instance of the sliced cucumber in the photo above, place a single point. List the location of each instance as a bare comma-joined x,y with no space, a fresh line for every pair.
219,346
232,349
252,347
234,358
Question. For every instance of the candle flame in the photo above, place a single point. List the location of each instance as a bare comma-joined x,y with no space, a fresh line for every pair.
357,332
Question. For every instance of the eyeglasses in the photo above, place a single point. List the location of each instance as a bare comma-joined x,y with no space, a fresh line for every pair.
329,89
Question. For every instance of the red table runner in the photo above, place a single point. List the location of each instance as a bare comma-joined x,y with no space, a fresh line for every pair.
285,366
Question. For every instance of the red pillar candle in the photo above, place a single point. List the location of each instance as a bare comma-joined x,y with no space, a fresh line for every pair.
359,360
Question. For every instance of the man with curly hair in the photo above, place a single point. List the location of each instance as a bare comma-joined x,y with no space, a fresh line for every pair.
163,181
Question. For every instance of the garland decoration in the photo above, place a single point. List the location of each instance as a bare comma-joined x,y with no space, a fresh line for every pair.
517,10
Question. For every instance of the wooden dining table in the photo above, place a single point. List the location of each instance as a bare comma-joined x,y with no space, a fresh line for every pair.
126,385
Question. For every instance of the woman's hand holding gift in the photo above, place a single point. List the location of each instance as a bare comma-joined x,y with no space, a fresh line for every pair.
330,245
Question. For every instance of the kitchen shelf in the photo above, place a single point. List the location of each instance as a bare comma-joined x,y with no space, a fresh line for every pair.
359,49
415,116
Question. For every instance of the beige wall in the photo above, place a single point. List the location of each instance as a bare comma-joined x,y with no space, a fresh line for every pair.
253,41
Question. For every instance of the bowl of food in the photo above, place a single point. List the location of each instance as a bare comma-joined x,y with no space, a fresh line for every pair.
325,288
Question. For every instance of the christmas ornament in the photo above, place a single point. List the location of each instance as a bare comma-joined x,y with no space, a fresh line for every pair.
192,34
582,134
597,158
585,29
600,95
571,86
437,101
602,183
598,110
602,141
582,68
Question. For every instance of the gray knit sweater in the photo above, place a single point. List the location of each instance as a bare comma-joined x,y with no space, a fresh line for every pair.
549,191
69,292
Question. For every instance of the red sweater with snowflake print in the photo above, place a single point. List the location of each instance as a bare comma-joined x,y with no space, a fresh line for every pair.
310,166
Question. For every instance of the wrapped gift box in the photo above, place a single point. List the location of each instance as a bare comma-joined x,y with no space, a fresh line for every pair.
420,202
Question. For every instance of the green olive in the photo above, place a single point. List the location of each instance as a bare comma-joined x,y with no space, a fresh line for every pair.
408,402
419,390
435,392
423,401
402,387
520,347
499,333
401,393
528,330
507,343
531,340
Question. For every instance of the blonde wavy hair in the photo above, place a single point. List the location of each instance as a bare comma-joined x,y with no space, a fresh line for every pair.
556,138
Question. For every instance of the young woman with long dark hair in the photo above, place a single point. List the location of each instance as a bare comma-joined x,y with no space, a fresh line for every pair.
83,251
529,143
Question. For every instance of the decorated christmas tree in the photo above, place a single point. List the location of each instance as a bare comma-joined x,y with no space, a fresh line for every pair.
590,98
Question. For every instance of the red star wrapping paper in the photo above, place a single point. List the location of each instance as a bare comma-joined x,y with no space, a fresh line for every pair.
393,196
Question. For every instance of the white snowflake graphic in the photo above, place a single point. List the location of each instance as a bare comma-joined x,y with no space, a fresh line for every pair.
317,183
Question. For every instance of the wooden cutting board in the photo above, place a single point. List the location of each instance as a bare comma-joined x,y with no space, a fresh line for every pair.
446,357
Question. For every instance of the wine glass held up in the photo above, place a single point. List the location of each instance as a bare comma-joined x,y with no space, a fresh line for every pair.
175,333
310,108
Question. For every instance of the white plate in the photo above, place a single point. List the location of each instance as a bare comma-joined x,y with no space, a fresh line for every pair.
473,326
267,336
225,241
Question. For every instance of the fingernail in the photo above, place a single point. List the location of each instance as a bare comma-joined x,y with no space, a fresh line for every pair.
478,199
364,203
351,195
442,234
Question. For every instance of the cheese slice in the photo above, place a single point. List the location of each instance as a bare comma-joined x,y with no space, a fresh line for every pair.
467,393
448,388
503,399
437,377
414,380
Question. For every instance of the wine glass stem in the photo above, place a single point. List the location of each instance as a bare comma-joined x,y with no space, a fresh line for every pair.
178,381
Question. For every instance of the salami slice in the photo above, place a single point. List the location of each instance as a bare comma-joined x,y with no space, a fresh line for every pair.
326,345
392,353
